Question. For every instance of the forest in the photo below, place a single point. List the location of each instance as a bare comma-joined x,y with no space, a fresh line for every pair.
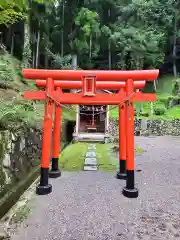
88,34
101,34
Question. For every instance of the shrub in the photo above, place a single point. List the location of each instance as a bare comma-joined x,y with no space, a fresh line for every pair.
7,68
176,100
159,110
164,100
145,114
175,90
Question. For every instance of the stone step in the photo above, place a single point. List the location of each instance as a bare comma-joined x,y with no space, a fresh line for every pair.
90,140
90,154
91,145
91,148
90,168
90,161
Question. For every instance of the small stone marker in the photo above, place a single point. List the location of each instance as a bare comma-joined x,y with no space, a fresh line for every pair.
90,154
90,161
91,148
91,145
90,168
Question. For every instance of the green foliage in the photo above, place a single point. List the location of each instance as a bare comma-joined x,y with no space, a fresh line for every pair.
60,62
88,31
11,11
14,11
176,100
176,88
115,34
145,114
136,36
8,70
18,113
159,110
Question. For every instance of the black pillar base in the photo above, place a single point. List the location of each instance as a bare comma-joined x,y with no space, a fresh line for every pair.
44,187
43,190
55,174
120,175
55,171
122,170
130,193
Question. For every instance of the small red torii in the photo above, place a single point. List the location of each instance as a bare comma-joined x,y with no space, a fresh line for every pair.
126,82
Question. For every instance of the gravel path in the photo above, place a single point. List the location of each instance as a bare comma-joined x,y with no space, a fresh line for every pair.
89,205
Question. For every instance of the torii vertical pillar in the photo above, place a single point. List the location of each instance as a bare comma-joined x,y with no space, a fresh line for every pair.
121,174
55,171
44,187
130,191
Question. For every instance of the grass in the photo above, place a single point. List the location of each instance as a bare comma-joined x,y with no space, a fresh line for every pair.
104,159
21,214
73,156
164,89
165,84
136,150
139,150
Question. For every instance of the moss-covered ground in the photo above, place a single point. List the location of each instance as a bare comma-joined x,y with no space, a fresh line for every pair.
72,157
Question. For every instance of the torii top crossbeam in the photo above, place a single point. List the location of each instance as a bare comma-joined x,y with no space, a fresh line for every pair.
89,81
100,75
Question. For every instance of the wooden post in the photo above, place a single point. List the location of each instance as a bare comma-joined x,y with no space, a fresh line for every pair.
130,191
122,141
44,187
55,171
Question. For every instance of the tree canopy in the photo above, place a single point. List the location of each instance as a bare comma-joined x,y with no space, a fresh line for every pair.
106,34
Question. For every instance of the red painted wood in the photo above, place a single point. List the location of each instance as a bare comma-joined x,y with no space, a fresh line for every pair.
100,98
57,129
113,85
47,134
101,75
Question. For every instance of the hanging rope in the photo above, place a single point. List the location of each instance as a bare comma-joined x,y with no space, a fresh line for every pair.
127,100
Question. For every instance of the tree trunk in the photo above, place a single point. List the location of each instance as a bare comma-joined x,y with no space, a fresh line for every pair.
37,49
151,108
109,46
155,87
174,45
109,55
74,62
90,48
46,36
62,30
46,55
12,44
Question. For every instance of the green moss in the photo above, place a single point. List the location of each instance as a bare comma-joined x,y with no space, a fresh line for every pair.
139,150
21,214
104,159
72,157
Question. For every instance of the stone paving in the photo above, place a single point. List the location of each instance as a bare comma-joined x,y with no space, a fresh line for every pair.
90,163
89,205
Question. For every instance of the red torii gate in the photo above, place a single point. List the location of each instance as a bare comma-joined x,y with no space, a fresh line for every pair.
89,81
